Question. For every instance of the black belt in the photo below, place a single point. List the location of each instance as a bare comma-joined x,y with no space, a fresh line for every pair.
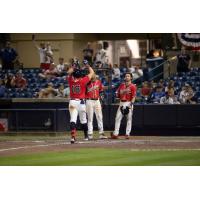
124,101
92,99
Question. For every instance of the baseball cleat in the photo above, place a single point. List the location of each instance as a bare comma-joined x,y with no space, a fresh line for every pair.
86,139
113,136
127,137
90,136
73,140
102,136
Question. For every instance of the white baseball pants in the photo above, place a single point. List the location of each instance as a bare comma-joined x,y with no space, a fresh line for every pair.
75,109
119,117
94,106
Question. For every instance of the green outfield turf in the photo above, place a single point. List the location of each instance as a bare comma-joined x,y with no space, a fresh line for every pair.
106,157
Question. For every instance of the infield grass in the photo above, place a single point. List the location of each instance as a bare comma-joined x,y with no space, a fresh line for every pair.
106,157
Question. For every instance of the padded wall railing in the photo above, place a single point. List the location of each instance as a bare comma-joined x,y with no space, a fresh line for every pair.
145,116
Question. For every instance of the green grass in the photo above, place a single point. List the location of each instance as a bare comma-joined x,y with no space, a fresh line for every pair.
105,157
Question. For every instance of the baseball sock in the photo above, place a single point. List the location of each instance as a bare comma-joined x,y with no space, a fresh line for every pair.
73,129
85,129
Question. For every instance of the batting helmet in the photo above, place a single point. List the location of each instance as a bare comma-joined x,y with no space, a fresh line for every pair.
77,73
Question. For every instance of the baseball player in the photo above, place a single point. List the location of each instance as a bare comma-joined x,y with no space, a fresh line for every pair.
77,85
93,105
126,93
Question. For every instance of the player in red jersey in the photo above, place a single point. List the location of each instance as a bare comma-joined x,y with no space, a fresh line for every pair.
126,93
77,85
93,105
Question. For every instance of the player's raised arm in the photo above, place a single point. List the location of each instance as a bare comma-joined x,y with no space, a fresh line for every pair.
70,71
91,72
34,42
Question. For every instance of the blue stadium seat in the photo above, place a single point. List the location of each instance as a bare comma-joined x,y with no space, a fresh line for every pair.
61,80
197,83
43,85
38,70
32,85
29,95
198,94
177,84
181,74
115,80
42,80
197,88
175,78
29,75
197,78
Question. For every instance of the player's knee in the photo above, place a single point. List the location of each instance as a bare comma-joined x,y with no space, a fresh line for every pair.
71,107
72,125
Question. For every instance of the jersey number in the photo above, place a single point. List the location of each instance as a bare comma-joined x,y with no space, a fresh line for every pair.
76,89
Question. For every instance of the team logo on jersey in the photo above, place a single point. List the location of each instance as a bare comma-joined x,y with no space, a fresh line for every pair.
90,89
76,89
125,91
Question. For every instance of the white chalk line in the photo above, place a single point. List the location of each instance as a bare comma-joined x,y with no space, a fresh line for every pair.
32,146
43,145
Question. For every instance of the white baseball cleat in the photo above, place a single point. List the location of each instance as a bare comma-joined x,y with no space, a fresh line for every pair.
102,136
73,140
86,139
90,136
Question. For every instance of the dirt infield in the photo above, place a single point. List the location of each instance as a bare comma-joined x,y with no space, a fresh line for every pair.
136,143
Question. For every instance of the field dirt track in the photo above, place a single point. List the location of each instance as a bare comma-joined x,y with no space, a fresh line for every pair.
135,143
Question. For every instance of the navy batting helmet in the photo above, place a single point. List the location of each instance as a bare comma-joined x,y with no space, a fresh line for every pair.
77,73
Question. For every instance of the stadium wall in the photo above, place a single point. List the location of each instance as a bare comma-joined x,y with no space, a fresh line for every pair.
66,45
147,119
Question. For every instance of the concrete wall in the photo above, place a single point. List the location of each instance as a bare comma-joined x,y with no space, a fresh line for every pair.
66,45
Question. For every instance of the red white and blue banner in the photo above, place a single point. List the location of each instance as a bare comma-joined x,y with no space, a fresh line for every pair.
191,40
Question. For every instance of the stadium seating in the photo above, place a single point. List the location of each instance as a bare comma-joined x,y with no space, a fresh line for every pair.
35,83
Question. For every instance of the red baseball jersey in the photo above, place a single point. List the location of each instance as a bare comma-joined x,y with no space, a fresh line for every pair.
94,89
126,93
77,87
